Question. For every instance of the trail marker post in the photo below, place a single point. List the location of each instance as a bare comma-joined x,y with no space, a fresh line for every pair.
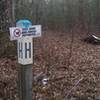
24,33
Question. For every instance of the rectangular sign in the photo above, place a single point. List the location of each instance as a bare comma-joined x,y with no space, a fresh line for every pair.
17,32
25,50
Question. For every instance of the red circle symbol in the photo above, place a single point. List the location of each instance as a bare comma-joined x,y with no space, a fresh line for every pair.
17,32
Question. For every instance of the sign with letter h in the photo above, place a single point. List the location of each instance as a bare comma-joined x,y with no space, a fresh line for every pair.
23,33
25,45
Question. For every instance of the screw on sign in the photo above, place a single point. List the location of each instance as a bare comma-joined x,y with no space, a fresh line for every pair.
17,33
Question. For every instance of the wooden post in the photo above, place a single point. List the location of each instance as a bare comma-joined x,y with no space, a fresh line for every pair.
25,82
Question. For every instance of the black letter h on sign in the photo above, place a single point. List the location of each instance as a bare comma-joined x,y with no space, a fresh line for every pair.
20,50
27,50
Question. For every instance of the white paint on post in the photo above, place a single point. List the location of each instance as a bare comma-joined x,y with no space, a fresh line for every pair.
25,50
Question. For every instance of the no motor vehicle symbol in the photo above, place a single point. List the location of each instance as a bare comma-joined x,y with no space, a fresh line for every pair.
17,32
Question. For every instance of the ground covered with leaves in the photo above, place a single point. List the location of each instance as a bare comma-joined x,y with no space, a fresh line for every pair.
71,69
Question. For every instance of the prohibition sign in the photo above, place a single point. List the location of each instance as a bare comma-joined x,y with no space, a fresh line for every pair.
17,32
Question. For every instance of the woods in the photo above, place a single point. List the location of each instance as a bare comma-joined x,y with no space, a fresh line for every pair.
54,14
66,61
62,14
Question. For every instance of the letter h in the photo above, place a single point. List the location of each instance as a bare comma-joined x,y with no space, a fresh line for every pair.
27,50
20,55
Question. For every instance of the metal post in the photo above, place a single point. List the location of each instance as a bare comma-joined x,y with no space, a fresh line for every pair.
25,82
25,60
24,33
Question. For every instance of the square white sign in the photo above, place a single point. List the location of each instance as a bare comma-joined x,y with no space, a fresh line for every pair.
15,33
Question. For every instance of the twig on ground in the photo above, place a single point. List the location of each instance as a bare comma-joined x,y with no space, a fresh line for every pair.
66,97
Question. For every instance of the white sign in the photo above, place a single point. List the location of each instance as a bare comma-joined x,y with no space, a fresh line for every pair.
15,33
33,31
25,50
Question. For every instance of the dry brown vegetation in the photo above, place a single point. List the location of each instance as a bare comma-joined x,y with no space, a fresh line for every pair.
53,60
